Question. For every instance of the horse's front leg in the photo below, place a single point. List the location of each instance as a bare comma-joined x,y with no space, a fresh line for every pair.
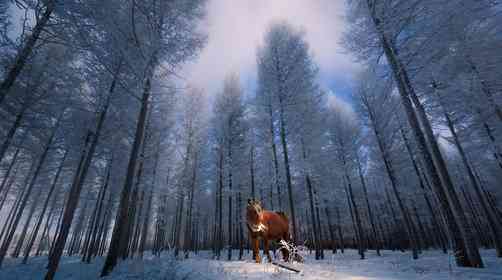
256,249
267,252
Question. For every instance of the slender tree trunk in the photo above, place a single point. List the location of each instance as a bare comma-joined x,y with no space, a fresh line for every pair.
119,239
25,51
274,156
486,90
288,171
12,131
9,169
251,167
465,246
188,227
91,246
47,227
27,222
370,213
220,217
146,220
24,201
44,208
319,226
229,256
8,187
312,216
340,233
77,184
436,224
241,231
494,226
10,217
355,212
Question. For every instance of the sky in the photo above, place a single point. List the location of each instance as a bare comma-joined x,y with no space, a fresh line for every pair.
235,29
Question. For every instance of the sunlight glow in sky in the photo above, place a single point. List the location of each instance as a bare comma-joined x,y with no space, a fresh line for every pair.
236,27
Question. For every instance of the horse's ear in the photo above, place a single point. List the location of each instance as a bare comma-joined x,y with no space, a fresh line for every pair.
249,201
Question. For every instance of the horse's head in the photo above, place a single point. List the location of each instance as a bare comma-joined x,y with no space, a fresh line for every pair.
253,211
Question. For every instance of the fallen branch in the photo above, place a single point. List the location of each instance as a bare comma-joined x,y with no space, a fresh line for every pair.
286,267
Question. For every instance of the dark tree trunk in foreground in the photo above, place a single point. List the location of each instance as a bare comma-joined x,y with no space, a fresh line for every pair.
77,184
119,239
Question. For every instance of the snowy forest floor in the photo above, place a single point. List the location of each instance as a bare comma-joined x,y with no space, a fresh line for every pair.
432,265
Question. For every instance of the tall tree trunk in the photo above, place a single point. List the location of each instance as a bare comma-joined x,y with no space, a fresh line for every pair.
319,226
393,180
119,242
312,216
251,167
9,181
436,224
146,220
77,184
330,227
24,201
240,222
287,168
220,217
464,243
91,246
370,213
485,89
12,213
274,155
12,131
188,239
44,208
495,227
47,227
229,256
355,212
9,169
340,232
25,51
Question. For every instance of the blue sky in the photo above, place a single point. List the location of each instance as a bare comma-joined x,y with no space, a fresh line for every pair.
236,28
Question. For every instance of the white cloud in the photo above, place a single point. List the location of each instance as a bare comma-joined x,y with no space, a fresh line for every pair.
236,28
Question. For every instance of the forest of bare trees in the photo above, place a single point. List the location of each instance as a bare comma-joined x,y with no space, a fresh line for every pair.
104,155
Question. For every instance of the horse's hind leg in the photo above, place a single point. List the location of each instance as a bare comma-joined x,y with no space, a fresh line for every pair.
267,252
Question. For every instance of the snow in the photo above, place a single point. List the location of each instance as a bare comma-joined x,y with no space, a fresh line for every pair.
432,265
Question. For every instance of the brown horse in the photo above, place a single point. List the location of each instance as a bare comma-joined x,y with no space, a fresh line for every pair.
267,225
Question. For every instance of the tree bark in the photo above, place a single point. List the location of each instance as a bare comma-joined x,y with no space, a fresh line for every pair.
119,239
77,184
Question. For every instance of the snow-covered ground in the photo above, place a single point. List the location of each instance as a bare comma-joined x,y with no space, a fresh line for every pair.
432,265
